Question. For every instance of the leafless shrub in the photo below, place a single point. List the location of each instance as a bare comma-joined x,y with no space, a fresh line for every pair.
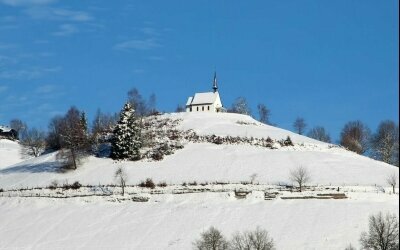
53,184
212,239
299,125
253,178
257,240
300,176
75,185
319,133
385,142
383,233
392,181
121,178
264,113
33,141
355,137
162,184
147,184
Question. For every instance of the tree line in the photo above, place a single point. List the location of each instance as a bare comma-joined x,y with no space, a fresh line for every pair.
72,135
383,144
383,234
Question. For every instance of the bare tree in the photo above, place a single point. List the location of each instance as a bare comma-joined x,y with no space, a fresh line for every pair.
383,233
121,178
355,137
53,140
18,126
319,133
299,125
240,106
300,176
392,181
253,178
179,108
74,136
257,240
137,101
385,142
152,104
264,113
212,239
34,141
103,123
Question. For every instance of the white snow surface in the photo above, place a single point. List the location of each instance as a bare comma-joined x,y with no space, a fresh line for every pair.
204,162
10,153
203,98
174,221
224,124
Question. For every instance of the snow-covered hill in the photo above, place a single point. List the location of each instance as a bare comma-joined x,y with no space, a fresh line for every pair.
234,125
174,221
206,162
10,153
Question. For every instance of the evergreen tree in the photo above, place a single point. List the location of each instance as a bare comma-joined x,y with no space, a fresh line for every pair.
84,122
127,140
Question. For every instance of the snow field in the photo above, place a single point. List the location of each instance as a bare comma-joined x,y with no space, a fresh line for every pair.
203,162
175,221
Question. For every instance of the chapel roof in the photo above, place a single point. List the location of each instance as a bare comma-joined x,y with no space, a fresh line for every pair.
202,98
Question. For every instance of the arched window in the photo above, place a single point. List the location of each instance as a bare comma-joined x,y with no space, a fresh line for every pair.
208,107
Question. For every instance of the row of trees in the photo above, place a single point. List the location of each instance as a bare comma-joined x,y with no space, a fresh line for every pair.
382,145
213,239
356,136
71,134
383,234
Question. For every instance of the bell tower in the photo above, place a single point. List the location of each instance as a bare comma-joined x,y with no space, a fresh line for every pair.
215,86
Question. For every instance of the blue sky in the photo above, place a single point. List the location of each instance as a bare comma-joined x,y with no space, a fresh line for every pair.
327,61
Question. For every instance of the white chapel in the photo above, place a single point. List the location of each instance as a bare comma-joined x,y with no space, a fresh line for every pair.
206,101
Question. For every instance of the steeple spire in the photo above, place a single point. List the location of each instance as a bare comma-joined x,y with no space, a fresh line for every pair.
215,86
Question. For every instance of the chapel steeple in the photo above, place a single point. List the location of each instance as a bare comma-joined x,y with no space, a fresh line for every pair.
215,86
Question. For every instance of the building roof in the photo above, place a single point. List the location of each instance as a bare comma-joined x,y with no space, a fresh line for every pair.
5,129
189,101
202,98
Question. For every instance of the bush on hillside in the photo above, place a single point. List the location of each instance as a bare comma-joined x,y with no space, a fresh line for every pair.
162,184
75,185
53,185
147,184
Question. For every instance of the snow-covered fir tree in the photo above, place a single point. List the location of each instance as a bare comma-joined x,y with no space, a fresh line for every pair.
127,139
84,122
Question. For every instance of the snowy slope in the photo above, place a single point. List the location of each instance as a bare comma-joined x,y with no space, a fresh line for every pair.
175,221
10,153
232,124
205,162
